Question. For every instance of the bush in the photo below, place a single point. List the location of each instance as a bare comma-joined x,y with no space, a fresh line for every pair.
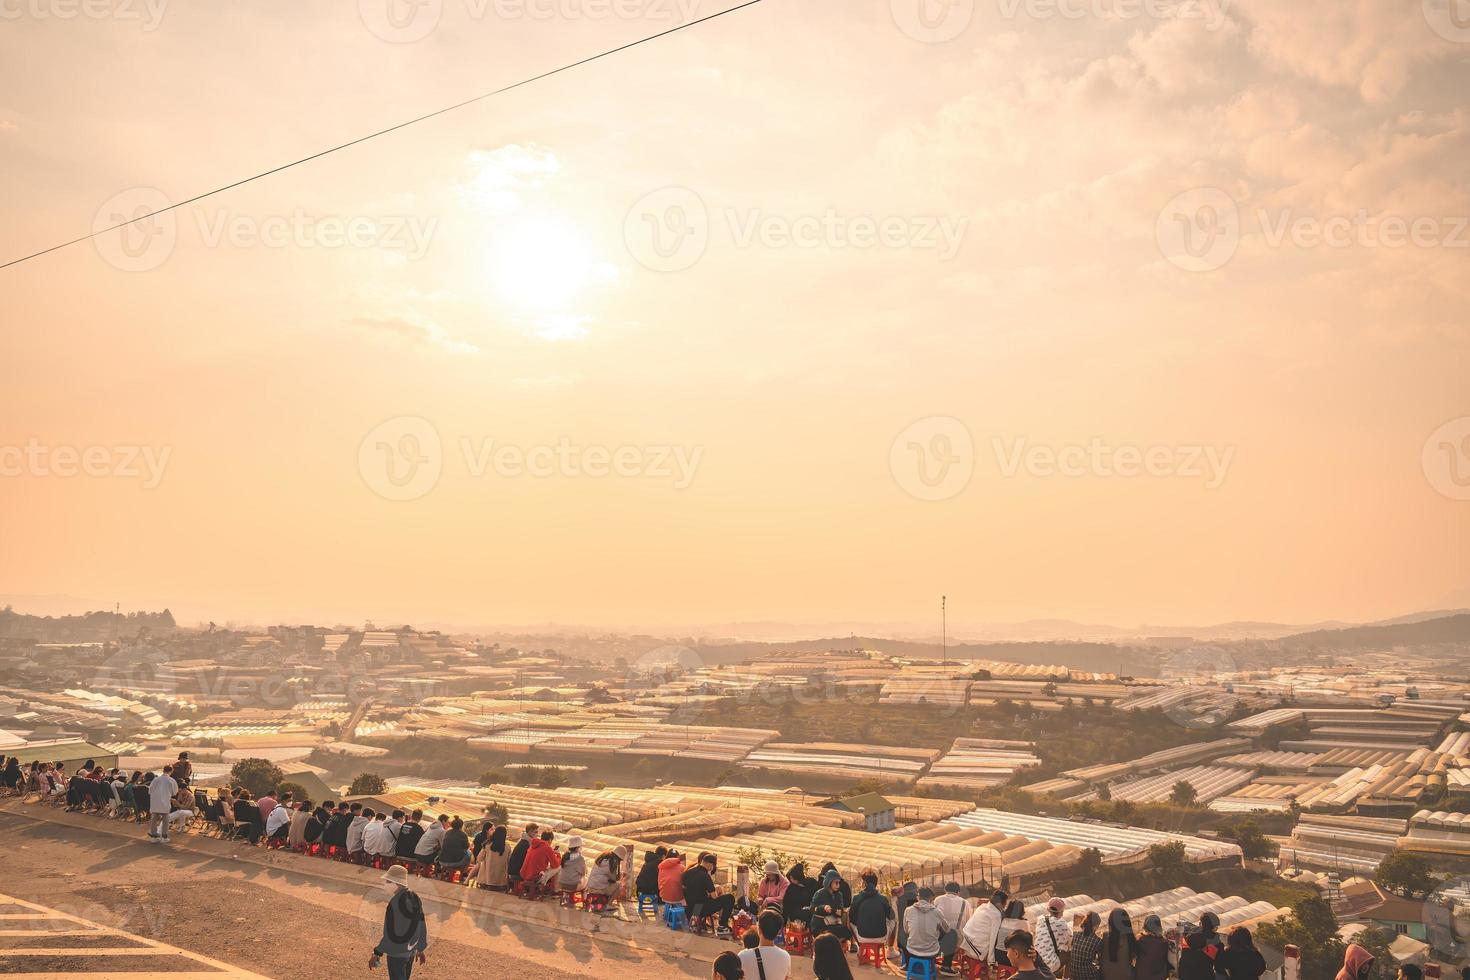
297,791
1168,856
259,776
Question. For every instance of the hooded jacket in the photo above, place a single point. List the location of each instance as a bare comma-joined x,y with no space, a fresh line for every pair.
870,914
539,857
404,931
825,902
1353,962
647,880
924,926
1198,950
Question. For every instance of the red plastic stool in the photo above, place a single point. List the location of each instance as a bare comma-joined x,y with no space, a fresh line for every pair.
875,954
798,940
969,969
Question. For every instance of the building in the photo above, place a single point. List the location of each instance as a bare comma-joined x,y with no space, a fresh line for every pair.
878,813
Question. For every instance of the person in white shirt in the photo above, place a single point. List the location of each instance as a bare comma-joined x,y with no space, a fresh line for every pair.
279,820
160,803
956,912
355,829
767,960
380,838
433,838
1053,935
982,932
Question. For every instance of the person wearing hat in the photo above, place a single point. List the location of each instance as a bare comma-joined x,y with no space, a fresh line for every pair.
772,888
1053,935
573,866
405,933
609,876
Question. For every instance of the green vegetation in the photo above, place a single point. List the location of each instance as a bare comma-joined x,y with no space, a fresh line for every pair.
1313,928
1406,874
367,784
1246,832
1183,794
259,776
498,813
1168,858
297,791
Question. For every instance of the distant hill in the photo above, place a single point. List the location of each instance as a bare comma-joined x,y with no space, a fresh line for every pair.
88,627
1410,632
1101,657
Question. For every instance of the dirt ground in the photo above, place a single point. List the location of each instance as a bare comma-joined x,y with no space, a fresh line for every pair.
279,922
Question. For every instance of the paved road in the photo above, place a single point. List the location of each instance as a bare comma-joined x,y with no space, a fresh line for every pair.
276,921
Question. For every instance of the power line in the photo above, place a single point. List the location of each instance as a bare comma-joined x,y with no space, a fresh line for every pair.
384,132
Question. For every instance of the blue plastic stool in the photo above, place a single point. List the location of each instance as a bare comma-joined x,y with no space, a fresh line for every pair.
647,903
674,916
919,969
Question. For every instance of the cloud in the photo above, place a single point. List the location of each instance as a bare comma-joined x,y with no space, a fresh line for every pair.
503,175
416,331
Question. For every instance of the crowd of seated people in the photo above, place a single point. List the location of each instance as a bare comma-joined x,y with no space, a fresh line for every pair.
779,914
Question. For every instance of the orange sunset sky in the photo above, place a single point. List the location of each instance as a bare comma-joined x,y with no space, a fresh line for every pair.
1118,311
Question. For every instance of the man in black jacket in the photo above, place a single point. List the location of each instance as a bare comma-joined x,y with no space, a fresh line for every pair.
405,933
409,834
518,853
871,913
700,897
336,833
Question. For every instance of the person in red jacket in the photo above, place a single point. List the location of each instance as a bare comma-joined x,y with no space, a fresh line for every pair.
541,861
671,879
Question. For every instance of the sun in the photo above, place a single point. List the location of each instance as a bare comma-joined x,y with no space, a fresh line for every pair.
545,263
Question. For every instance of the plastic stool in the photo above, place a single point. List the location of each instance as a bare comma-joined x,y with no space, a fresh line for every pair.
873,953
674,916
647,903
798,939
969,969
919,969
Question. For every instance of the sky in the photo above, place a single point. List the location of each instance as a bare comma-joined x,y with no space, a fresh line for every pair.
1117,310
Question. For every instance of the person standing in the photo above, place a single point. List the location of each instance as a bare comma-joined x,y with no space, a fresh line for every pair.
1120,951
1240,959
405,933
160,804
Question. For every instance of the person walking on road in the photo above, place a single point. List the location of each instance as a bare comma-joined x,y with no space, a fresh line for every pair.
160,804
405,933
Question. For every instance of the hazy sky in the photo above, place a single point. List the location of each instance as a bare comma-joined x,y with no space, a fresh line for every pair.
1106,309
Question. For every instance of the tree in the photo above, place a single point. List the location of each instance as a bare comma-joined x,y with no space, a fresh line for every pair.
1253,842
1183,793
259,776
1406,874
864,786
552,778
1104,794
1167,856
367,784
498,813
490,777
297,791
1090,861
